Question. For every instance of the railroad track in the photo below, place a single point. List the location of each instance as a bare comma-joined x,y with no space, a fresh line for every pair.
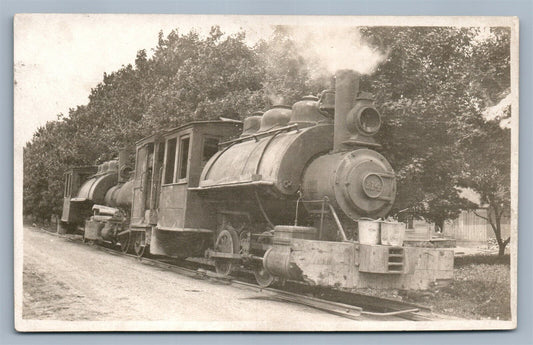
341,303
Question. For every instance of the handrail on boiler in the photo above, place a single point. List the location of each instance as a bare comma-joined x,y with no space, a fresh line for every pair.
258,135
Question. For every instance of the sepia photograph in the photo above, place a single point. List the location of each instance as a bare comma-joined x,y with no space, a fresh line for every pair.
265,173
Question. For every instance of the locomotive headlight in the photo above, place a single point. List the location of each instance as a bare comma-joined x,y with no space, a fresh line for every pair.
364,119
369,120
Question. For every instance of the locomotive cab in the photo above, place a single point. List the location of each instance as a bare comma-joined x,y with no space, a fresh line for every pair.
74,211
176,222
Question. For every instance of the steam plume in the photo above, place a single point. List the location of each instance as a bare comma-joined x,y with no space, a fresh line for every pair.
334,48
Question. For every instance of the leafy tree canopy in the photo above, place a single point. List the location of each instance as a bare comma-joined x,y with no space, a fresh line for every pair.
433,89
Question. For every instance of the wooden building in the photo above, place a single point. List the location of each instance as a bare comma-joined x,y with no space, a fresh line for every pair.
470,230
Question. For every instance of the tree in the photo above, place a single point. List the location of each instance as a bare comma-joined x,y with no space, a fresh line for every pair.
420,89
288,75
45,160
484,134
436,89
487,171
188,77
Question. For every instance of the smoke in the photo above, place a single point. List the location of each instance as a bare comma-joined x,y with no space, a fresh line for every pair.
316,52
275,98
329,49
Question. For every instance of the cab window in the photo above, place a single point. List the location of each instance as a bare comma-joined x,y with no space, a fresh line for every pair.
183,158
170,160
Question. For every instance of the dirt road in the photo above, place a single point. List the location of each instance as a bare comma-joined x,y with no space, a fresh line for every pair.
70,281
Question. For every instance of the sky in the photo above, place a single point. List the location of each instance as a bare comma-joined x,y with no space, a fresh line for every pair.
59,58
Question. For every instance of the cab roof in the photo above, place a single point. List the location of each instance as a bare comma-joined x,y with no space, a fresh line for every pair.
156,135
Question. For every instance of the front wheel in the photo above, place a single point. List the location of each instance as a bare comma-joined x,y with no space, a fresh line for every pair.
263,277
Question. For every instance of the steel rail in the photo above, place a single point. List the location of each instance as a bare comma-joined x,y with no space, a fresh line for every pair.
400,310
349,311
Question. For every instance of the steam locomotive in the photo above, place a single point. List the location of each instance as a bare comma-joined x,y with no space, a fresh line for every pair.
286,194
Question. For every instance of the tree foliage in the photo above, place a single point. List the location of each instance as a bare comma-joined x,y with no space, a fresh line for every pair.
432,90
435,80
187,77
484,141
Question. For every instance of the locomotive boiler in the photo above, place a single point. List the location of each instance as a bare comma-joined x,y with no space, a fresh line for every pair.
286,194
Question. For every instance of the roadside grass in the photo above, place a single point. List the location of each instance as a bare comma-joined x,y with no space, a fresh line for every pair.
478,291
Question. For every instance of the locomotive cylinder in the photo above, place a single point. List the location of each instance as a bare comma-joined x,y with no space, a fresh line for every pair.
279,263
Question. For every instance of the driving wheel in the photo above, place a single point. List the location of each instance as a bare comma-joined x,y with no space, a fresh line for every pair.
227,242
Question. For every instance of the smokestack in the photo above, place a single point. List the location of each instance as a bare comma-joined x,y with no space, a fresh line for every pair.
346,90
123,167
